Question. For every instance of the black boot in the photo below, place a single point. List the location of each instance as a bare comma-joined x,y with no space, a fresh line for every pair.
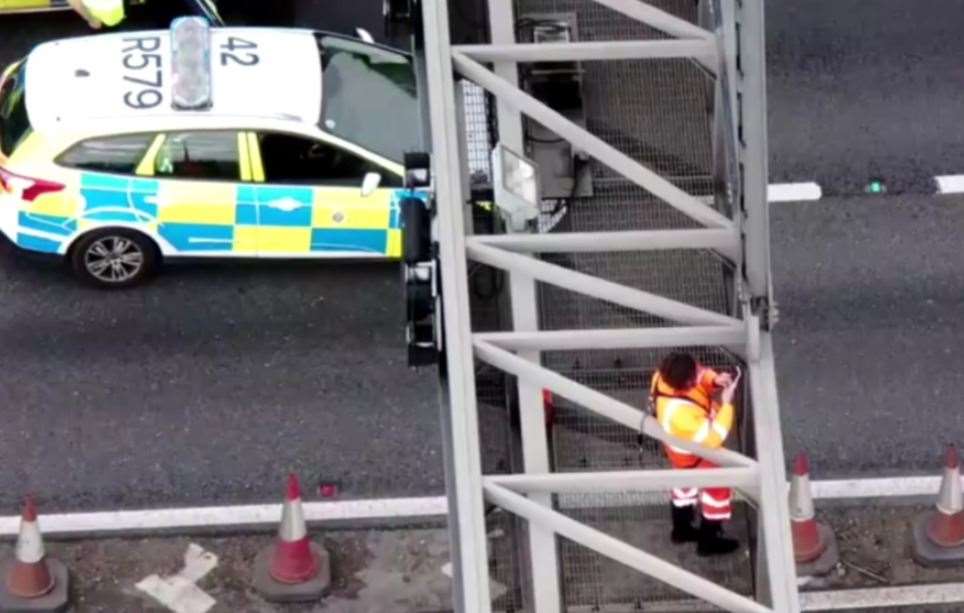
712,542
683,529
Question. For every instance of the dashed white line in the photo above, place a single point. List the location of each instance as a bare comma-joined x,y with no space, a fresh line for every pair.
950,184
793,192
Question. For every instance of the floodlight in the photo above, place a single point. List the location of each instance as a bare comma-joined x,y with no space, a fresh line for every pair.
516,187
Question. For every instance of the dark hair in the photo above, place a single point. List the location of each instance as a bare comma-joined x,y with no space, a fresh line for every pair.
678,370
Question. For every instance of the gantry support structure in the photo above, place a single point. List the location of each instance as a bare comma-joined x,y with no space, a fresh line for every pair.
731,49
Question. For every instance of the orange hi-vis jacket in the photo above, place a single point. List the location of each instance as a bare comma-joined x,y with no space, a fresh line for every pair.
691,415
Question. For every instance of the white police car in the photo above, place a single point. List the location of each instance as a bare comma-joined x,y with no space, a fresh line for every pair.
118,150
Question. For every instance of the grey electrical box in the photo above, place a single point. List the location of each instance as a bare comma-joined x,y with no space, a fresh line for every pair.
564,173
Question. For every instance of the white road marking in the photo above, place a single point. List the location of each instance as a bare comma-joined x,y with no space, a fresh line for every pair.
402,508
180,592
242,515
876,488
939,593
793,192
950,184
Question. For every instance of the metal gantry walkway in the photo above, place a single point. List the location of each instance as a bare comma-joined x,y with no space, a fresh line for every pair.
726,221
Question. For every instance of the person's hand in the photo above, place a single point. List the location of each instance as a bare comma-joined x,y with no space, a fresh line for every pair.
723,379
726,397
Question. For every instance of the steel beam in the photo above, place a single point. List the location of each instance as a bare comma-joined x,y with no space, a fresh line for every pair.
464,481
656,18
750,81
726,242
621,552
543,554
627,480
618,338
591,144
704,49
589,285
600,403
502,32
774,514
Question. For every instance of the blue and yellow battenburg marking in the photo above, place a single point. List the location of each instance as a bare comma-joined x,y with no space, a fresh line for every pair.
207,217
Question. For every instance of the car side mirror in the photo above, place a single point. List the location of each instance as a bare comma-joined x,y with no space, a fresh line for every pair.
370,183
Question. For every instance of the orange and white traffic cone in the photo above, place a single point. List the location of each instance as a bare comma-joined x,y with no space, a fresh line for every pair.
946,527
29,576
939,534
293,569
293,561
814,545
31,579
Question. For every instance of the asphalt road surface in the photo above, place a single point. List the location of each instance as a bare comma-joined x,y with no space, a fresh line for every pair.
213,382
861,90
870,289
868,348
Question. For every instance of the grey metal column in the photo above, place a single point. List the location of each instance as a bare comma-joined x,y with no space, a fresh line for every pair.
464,483
543,555
775,513
750,78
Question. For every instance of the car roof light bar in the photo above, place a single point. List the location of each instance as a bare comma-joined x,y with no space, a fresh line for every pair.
191,63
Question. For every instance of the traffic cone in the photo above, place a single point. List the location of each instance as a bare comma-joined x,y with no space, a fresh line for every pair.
938,535
293,569
946,527
29,576
32,581
293,561
814,545
807,544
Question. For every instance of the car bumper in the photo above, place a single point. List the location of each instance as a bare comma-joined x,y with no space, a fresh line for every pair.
28,238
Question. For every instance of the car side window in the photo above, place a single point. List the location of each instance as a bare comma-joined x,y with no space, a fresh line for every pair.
211,156
295,159
115,154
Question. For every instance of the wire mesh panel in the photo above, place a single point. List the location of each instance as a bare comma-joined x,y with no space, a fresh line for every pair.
478,133
591,579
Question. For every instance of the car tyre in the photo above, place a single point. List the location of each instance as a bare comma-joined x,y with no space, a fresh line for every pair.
114,258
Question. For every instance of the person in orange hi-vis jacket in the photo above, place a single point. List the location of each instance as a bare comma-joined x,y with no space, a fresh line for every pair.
695,404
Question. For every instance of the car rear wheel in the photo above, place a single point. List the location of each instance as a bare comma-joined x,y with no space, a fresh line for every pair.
114,258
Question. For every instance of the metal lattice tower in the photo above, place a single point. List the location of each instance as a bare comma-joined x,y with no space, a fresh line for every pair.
728,222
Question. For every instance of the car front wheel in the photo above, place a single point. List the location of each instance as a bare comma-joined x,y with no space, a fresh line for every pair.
114,258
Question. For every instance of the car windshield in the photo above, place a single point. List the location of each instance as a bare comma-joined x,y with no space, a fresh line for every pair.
14,123
370,97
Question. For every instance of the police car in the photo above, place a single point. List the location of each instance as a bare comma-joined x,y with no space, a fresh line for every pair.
120,150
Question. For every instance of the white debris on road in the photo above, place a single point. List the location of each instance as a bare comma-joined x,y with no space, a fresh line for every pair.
180,592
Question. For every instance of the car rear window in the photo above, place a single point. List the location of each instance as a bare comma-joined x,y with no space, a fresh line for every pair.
116,154
14,123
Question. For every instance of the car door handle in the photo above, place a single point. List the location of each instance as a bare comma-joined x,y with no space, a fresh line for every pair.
285,204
